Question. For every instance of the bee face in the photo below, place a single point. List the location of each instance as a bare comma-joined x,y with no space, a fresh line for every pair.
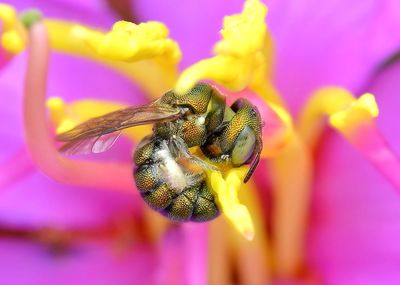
238,139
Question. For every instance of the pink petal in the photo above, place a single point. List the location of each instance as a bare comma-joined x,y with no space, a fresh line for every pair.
386,88
93,262
356,215
91,12
330,42
36,201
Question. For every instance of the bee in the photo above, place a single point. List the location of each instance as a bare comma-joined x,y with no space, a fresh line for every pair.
168,176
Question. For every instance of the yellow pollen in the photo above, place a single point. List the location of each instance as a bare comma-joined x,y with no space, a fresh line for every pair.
241,56
13,38
8,16
130,42
154,71
250,23
360,111
12,42
345,112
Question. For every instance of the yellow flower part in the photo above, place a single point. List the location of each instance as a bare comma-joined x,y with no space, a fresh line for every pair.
344,111
243,56
227,192
360,111
130,42
13,37
66,116
250,21
124,50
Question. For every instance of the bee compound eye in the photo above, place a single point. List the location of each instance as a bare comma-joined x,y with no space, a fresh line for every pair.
244,147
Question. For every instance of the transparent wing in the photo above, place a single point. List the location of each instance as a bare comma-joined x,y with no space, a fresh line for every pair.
100,133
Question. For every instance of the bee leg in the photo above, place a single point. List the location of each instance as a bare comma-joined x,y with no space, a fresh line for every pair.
179,148
253,165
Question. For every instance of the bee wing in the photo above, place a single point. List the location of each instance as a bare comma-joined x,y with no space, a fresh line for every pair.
100,133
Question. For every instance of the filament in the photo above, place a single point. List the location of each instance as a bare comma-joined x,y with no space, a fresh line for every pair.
111,176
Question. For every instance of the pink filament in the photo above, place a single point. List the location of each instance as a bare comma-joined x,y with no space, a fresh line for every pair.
5,58
184,255
371,143
195,250
170,258
40,142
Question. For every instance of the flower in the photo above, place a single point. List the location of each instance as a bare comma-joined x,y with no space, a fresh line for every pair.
291,183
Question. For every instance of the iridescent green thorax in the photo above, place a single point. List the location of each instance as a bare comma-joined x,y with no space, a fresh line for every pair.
204,113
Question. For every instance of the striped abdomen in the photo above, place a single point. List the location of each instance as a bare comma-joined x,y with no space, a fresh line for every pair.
174,190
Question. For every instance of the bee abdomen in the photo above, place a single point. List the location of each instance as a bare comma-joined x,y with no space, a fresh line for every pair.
168,187
205,208
180,209
146,177
193,204
144,151
159,198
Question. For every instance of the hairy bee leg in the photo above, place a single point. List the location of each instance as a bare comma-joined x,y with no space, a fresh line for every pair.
179,147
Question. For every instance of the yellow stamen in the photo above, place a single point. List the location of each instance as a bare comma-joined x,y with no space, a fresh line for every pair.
360,111
66,116
130,42
243,56
12,42
8,16
227,193
13,38
148,67
343,110
237,54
